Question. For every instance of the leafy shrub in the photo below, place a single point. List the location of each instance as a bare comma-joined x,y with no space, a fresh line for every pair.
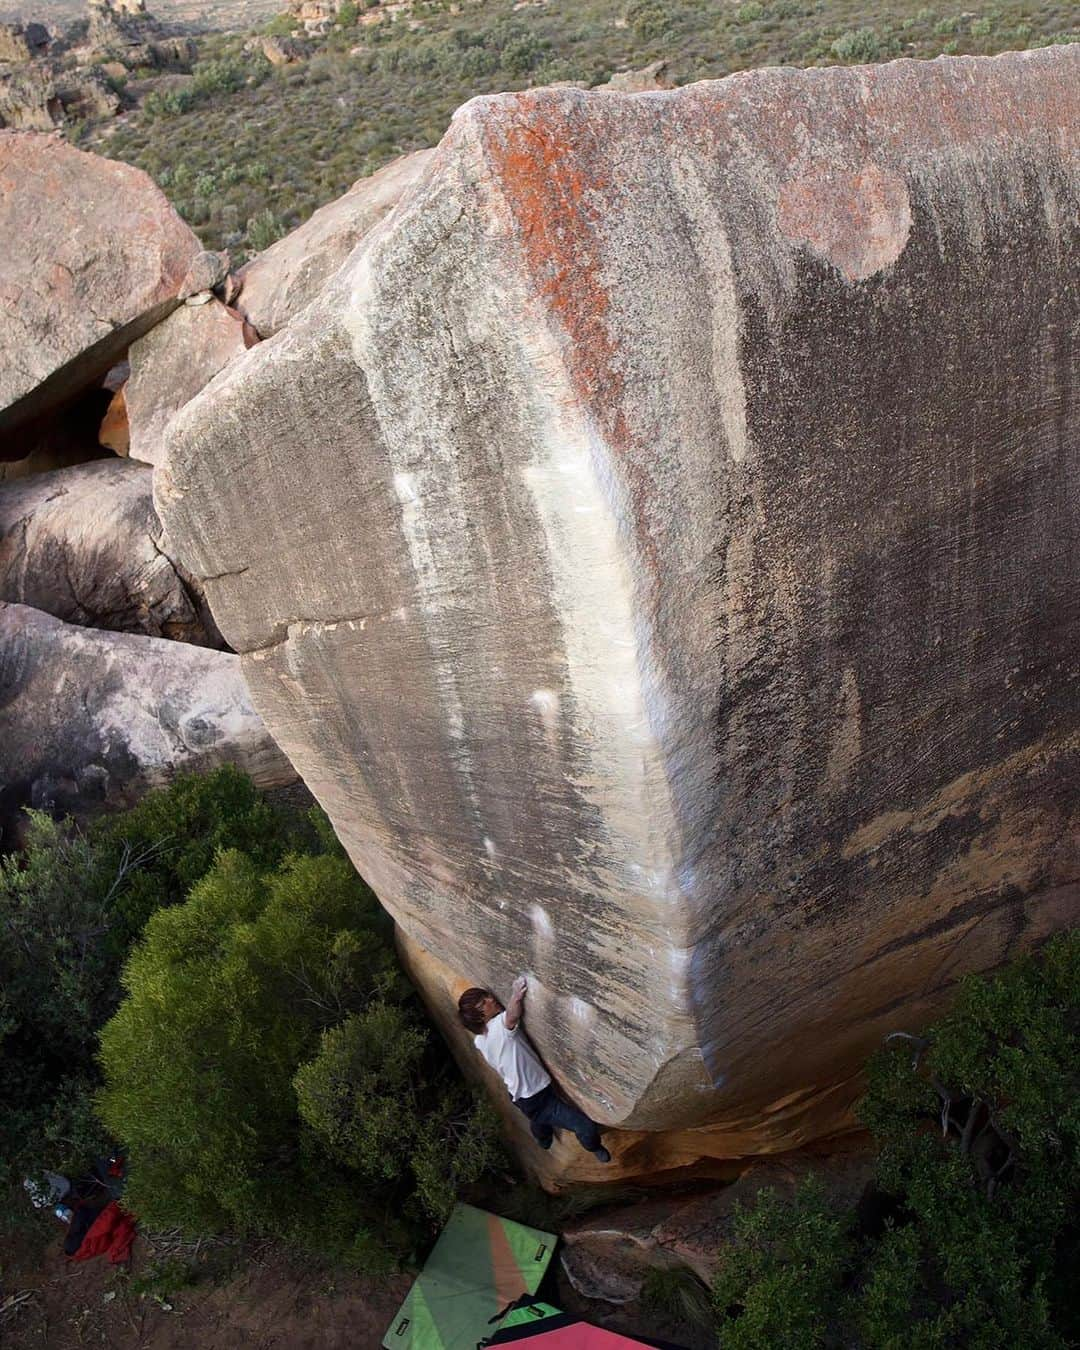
57,985
263,230
782,1272
164,103
226,74
983,1244
860,45
281,25
649,19
383,1099
265,1076
71,904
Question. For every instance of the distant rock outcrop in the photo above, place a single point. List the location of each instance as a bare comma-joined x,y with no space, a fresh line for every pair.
29,100
85,545
23,42
656,548
280,51
123,30
39,97
89,719
285,277
80,278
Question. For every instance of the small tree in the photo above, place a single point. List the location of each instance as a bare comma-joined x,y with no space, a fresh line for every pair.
227,995
978,1124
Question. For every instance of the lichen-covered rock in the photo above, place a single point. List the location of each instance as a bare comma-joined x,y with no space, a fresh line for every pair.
93,257
127,33
656,549
23,42
29,100
207,271
85,545
92,720
171,364
282,279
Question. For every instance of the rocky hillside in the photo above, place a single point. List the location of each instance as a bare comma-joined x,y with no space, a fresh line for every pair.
247,149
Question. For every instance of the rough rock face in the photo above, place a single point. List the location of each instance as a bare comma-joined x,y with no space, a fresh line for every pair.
39,96
29,100
656,549
85,545
171,364
79,280
608,1257
23,42
278,283
280,51
128,34
87,716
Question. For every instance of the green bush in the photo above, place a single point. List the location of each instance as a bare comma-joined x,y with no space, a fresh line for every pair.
861,46
71,904
263,230
983,1242
281,25
57,985
781,1275
384,1100
265,1076
649,19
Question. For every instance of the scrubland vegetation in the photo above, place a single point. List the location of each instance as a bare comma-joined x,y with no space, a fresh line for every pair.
247,150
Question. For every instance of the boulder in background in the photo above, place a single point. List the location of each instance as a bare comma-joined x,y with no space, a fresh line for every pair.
91,719
84,544
80,279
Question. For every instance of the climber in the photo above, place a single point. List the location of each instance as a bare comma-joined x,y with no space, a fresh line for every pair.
498,1036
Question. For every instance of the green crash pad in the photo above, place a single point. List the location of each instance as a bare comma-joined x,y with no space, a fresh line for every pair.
479,1266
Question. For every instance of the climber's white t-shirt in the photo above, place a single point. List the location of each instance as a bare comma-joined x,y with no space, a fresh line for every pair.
513,1058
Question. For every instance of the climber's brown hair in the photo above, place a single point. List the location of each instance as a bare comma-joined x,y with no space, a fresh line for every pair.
470,1011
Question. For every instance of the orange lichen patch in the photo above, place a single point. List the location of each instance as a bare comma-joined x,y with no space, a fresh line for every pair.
553,187
556,177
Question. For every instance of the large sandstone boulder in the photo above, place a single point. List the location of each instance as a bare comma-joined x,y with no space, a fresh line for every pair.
657,550
282,279
91,719
93,256
84,544
171,364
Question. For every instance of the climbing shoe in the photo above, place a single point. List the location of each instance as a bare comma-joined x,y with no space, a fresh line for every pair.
601,1155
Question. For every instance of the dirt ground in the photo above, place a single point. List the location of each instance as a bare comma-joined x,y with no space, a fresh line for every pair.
267,1301
244,1299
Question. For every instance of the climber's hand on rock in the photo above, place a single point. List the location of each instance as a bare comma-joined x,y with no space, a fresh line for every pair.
519,986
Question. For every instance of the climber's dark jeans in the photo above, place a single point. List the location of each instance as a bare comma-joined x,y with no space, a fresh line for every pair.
548,1112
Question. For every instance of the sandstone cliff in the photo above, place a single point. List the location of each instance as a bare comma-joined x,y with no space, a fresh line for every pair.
656,549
